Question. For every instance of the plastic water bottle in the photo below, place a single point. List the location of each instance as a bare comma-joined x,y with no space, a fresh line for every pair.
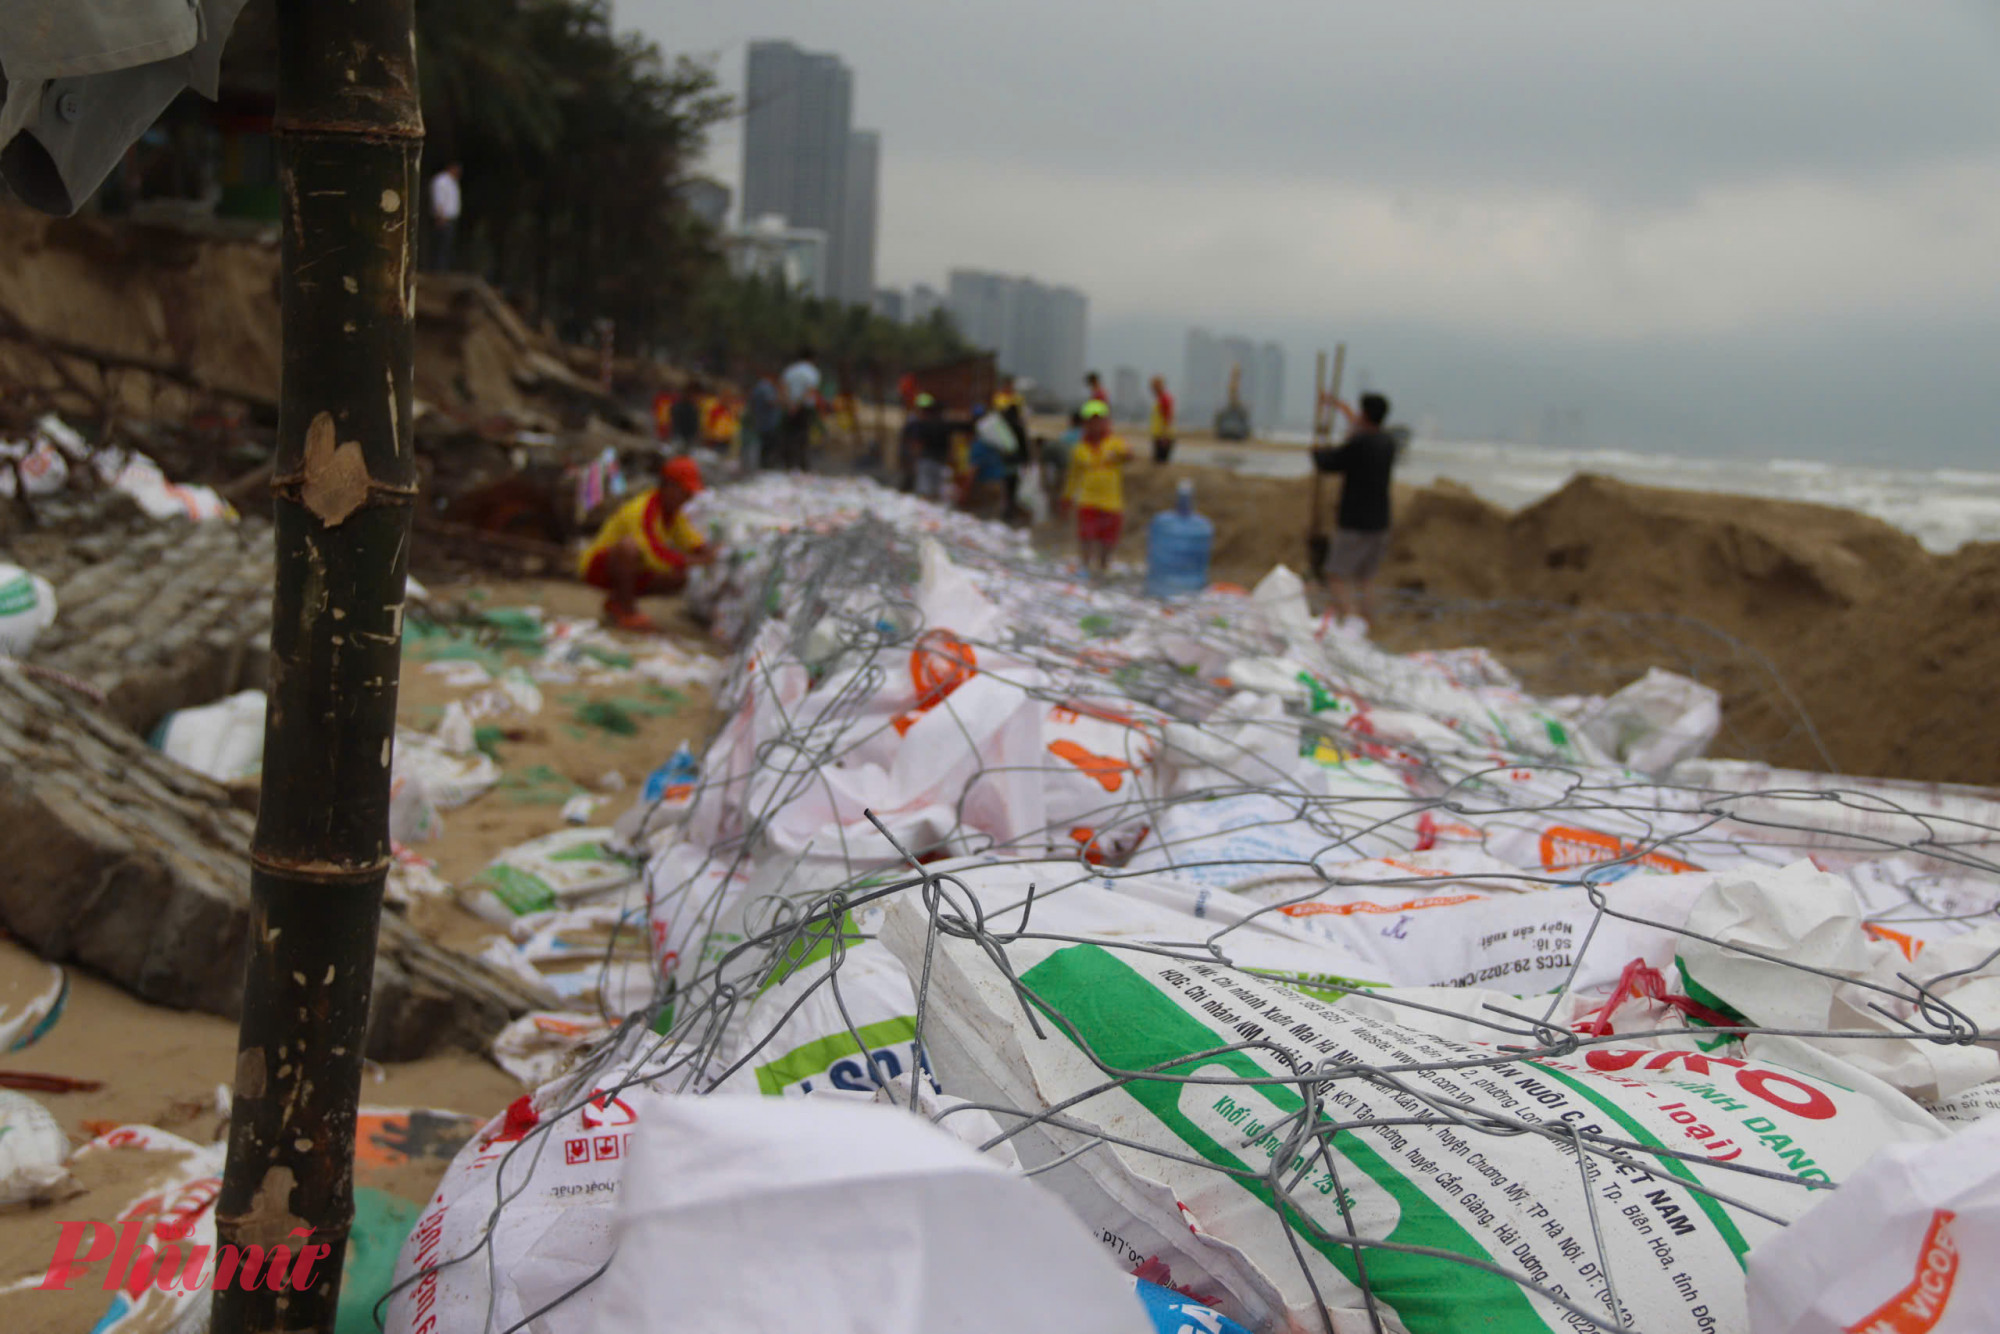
1178,543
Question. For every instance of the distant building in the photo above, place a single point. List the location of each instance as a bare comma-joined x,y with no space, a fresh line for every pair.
1204,379
799,149
855,272
889,304
767,248
1040,333
1267,409
1128,394
707,199
924,302
1205,382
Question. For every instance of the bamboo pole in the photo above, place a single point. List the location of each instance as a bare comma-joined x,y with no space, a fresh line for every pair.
349,135
1314,532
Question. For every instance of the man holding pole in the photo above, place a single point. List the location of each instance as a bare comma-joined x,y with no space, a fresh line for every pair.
1365,460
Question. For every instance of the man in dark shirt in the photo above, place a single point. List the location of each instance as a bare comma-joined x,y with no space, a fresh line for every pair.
1361,524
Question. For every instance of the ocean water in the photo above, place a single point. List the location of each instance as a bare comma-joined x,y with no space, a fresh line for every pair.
1941,507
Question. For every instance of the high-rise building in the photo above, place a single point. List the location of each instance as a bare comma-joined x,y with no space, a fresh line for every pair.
1039,333
1268,411
857,221
1204,380
889,303
924,302
1128,395
799,145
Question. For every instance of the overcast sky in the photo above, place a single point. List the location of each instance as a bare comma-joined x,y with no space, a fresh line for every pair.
1708,225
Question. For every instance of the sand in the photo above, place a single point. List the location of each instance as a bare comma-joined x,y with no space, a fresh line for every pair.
164,1067
1837,641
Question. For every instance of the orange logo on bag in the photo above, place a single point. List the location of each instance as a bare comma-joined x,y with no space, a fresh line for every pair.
940,663
1109,773
1093,852
1564,847
1349,909
1909,945
1918,1307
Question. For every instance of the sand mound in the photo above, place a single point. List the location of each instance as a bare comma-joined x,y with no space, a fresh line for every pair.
1888,649
1903,684
1762,569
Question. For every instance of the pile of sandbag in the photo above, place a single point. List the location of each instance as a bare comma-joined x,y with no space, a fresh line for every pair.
1323,987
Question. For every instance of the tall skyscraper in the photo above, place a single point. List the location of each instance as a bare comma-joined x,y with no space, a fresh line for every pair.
857,222
1268,411
1128,396
798,149
1038,332
1205,380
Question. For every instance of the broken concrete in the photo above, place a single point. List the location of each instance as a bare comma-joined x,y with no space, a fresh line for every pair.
114,857
161,617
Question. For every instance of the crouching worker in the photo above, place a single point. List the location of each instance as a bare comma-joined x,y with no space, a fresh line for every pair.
646,546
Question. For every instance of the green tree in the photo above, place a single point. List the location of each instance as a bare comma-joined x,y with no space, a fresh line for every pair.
575,139
740,325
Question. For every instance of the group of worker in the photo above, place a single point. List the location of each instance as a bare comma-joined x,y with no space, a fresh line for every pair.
1365,461
647,546
773,426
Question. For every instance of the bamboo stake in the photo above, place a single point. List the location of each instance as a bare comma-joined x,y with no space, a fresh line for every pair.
349,134
1314,538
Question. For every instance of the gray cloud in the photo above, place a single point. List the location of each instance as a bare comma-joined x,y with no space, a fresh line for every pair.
1589,191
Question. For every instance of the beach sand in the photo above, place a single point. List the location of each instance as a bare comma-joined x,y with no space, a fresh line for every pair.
164,1067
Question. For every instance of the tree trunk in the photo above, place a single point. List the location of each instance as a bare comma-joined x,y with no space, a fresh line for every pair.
349,134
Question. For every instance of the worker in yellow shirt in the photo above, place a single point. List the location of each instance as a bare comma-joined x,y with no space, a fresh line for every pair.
646,546
1096,485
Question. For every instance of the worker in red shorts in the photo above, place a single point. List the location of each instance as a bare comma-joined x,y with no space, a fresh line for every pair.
1096,485
646,546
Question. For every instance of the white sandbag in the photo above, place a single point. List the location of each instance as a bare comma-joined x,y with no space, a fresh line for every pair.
594,957
33,1150
224,740
543,1044
33,994
521,1220
1070,900
1657,721
842,1219
547,872
1233,842
1753,939
1906,1247
413,816
27,607
164,1200
1520,943
140,478
412,878
816,1026
1974,1104
1032,497
1517,1202
450,777
41,465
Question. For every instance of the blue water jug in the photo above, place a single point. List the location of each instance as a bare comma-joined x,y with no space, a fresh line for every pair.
1178,543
